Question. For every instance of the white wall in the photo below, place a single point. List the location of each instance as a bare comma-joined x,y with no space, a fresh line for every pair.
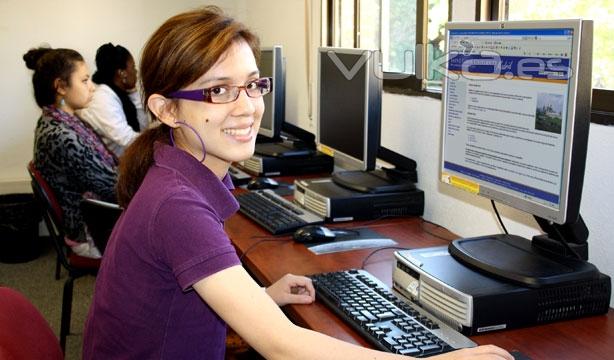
81,25
284,23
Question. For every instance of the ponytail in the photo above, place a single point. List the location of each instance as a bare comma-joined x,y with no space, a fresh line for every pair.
136,161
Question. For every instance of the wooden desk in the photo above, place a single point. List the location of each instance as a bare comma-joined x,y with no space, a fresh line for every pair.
269,258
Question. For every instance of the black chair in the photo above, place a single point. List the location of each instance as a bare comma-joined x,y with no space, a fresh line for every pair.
100,217
77,266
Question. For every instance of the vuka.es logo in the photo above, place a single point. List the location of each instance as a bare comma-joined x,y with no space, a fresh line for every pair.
349,73
491,63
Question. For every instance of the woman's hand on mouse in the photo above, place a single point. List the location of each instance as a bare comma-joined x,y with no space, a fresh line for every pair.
292,289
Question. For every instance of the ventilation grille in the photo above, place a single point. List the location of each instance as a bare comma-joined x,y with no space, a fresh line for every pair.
449,309
316,204
253,164
572,301
401,211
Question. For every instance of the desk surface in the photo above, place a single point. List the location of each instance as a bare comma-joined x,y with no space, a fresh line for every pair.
269,257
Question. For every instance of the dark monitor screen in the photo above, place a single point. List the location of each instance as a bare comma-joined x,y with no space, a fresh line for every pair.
349,103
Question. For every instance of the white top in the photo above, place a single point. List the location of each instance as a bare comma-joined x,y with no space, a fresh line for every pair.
106,116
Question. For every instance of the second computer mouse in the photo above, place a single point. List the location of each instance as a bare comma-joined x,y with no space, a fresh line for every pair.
262,183
312,234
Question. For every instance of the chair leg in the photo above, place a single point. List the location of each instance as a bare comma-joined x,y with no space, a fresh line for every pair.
58,267
66,311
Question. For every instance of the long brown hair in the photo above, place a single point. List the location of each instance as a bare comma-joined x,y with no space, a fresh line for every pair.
184,48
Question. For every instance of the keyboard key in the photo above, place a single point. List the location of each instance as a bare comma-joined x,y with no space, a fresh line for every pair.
410,352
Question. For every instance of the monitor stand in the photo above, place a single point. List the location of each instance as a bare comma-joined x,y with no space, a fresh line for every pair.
374,181
521,261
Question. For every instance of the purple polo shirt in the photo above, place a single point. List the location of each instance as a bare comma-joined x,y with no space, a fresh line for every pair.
170,237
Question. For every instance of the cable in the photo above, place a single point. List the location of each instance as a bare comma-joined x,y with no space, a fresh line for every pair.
430,232
264,239
364,262
368,223
498,217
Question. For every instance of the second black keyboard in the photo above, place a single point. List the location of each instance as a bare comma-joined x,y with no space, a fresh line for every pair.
275,213
388,322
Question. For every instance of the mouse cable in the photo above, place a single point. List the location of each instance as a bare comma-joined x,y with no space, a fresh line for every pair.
262,239
364,262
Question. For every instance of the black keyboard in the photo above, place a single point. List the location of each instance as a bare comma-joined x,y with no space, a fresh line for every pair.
388,322
275,213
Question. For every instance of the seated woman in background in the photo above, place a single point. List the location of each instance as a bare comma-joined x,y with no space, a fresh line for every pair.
170,279
116,112
68,153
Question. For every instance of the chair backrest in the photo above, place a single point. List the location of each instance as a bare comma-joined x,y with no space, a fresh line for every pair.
100,217
24,333
44,193
52,212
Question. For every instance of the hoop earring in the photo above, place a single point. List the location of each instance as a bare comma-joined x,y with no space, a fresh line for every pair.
202,143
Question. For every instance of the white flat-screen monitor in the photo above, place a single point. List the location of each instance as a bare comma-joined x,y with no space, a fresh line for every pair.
516,112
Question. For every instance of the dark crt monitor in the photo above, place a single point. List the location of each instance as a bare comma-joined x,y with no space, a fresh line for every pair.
272,64
349,110
516,110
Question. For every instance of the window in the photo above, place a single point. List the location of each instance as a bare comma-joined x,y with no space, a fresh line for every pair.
404,26
602,14
398,36
400,31
437,17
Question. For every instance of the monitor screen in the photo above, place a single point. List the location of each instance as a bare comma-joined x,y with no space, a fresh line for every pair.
349,107
272,65
515,114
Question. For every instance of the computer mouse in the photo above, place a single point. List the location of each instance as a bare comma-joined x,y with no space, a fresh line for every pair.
262,183
313,234
319,234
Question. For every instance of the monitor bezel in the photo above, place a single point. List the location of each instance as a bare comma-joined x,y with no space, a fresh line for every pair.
576,131
372,113
278,93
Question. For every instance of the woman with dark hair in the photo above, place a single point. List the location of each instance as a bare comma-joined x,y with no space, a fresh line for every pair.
170,279
67,152
116,112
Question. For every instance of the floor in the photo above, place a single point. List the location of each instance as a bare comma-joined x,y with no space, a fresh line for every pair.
35,279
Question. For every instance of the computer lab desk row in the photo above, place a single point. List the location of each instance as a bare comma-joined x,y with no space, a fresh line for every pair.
269,257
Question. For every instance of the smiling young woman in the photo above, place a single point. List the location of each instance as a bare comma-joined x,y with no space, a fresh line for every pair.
170,279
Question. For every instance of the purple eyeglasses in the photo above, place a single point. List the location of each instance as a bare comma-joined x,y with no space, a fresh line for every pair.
223,94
